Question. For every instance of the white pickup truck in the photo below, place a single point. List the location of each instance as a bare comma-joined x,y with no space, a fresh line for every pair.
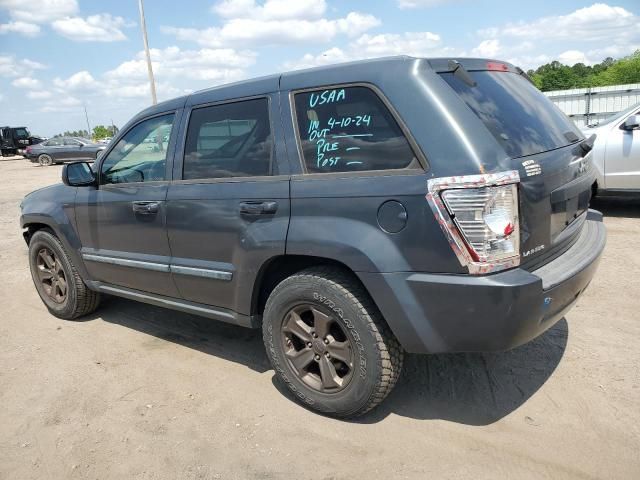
616,153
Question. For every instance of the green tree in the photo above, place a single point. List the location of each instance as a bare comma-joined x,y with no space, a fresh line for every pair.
625,70
100,132
556,76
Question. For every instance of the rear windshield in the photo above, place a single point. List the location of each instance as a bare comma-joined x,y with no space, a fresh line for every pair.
516,113
22,133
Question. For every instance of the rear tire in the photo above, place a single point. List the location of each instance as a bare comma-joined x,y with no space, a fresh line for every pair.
56,279
344,369
45,160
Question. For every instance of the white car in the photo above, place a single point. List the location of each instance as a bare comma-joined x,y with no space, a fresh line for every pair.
616,153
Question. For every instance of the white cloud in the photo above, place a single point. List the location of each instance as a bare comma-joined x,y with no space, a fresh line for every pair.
418,44
252,32
64,19
532,43
21,28
249,23
38,94
594,23
614,51
32,65
26,82
408,43
217,65
10,67
175,71
487,48
271,9
98,28
39,11
81,81
420,3
571,57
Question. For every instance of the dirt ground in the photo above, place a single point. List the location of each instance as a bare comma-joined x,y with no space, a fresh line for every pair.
139,392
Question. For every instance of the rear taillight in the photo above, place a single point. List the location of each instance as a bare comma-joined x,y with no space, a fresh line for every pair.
479,215
28,149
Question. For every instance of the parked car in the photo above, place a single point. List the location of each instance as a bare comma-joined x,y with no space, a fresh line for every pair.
353,212
616,153
62,149
105,140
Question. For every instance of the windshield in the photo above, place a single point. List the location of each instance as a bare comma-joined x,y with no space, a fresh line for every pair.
517,114
618,116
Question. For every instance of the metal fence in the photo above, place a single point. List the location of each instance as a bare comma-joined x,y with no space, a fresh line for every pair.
587,106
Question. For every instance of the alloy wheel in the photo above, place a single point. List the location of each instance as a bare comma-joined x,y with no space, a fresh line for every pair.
317,348
45,160
51,275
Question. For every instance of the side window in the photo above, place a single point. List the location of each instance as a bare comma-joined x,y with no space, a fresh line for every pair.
71,142
229,140
54,142
141,154
350,129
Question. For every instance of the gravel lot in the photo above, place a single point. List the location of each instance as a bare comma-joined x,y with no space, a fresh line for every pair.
139,392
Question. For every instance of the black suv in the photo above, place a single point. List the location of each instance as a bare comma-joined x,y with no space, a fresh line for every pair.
353,212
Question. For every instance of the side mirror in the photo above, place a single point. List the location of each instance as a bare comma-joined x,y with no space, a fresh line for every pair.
78,174
631,123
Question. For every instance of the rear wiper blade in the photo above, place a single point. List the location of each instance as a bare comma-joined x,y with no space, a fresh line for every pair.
587,144
571,136
459,71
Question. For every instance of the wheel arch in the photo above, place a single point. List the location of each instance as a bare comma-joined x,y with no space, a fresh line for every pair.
33,227
283,266
32,223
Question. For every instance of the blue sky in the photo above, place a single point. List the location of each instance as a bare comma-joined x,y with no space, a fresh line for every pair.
58,55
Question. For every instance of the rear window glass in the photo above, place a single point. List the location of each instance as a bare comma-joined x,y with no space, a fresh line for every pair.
350,129
516,113
229,140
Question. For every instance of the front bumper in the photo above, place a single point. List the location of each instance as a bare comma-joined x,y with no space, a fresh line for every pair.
433,313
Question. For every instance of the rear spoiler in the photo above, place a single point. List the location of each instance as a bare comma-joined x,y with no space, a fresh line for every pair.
463,65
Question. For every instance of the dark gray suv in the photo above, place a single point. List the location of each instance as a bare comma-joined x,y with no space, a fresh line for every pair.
353,212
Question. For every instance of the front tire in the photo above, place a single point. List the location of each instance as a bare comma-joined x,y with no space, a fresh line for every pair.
45,160
329,344
56,279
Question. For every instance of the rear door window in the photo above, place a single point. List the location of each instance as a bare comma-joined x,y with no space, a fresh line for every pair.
517,114
349,129
229,140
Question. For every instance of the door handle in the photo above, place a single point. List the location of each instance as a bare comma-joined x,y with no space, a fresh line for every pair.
258,208
146,208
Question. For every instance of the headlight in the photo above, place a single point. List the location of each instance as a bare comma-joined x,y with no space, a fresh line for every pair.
479,215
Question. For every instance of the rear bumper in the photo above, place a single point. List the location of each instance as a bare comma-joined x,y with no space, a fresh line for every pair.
432,313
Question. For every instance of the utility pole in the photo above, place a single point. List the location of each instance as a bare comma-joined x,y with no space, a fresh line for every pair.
87,118
143,25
